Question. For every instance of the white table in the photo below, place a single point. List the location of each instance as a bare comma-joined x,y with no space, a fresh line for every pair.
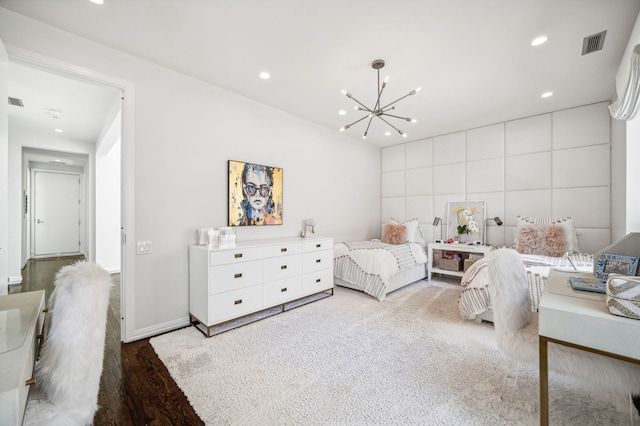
21,323
464,248
580,319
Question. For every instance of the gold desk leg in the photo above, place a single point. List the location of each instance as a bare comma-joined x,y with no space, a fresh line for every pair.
544,382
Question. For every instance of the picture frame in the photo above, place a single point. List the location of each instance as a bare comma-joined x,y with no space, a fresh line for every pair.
466,213
609,263
255,194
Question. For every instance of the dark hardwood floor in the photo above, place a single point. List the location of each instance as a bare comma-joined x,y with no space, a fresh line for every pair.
135,387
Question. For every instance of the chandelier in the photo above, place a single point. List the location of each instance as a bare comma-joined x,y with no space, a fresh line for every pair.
381,112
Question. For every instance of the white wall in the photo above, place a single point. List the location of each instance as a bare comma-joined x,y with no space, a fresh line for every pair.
108,209
185,131
550,165
4,147
633,175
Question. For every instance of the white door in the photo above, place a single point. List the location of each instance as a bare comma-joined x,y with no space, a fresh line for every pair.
56,208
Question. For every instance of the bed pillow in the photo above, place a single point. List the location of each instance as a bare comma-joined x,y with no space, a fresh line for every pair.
544,240
394,234
565,222
412,228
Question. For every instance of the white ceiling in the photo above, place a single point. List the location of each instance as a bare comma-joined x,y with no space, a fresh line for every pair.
472,58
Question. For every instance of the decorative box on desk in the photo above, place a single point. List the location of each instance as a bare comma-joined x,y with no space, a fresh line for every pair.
226,283
437,252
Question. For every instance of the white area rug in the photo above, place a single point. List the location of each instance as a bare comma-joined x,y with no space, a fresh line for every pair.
352,360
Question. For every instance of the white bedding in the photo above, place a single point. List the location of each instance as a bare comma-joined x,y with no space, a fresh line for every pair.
372,264
475,299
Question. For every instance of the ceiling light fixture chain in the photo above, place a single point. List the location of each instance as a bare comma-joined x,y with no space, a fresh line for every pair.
377,110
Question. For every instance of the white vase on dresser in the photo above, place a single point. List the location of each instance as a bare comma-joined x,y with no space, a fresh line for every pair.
226,283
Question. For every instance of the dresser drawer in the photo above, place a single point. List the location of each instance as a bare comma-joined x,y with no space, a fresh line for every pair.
224,257
315,282
317,261
277,292
232,277
234,304
317,245
284,249
278,268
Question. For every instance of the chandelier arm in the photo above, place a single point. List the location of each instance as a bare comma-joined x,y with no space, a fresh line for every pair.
367,129
391,125
399,99
396,116
357,121
361,104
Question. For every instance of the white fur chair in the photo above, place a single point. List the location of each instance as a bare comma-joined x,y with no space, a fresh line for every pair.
516,331
68,371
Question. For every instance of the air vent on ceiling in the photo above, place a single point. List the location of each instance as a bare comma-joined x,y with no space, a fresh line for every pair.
15,102
593,43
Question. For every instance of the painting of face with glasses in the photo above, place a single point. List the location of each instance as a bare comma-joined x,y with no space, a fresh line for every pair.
255,194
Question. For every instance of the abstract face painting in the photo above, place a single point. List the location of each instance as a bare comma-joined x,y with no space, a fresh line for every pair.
255,194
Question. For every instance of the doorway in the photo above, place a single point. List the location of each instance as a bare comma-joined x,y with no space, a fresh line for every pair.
65,145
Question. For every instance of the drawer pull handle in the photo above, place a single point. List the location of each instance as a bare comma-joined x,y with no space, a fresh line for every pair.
283,267
237,302
318,245
318,260
31,381
282,290
283,250
238,255
318,280
238,275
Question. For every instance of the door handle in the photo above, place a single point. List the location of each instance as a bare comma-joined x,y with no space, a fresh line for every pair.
40,221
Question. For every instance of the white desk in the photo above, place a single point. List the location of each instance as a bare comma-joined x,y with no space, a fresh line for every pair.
21,323
580,319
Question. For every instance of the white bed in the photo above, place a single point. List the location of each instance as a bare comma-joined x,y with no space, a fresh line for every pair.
475,302
536,239
377,268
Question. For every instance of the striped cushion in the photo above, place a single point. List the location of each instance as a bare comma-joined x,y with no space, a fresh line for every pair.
623,295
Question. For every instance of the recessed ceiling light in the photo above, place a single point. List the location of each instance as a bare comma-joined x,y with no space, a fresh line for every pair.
265,75
97,1
387,133
546,94
57,130
342,112
539,40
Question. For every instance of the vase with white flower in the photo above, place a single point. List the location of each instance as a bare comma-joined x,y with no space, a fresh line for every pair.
466,225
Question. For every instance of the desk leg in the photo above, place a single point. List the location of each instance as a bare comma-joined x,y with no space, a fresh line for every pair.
544,382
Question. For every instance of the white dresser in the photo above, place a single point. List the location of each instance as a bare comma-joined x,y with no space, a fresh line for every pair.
21,324
230,282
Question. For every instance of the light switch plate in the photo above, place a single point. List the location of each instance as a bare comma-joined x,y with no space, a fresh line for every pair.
143,247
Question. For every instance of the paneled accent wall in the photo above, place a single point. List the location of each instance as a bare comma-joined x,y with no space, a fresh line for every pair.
550,165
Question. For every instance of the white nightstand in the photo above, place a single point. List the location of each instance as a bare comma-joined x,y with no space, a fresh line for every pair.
457,247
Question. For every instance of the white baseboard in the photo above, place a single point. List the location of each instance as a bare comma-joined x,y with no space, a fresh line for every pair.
159,329
16,279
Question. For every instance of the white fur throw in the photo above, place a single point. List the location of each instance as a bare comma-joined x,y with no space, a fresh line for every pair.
516,331
68,371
